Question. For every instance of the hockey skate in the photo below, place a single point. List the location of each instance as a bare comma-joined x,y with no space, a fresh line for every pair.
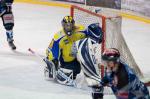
10,40
12,45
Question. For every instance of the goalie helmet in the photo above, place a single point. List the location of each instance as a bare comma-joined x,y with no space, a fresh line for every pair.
68,25
111,54
95,32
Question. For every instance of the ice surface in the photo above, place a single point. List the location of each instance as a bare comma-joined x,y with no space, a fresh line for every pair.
21,74
137,36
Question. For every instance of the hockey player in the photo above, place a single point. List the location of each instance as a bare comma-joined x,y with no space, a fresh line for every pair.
8,20
59,56
121,78
88,54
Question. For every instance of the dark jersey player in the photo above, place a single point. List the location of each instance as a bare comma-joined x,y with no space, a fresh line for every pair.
8,20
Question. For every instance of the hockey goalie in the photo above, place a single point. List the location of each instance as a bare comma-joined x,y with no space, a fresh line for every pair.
59,51
62,62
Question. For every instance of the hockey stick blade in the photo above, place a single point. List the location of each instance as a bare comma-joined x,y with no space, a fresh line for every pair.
37,55
30,50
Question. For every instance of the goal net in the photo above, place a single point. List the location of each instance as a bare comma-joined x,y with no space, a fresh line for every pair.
111,26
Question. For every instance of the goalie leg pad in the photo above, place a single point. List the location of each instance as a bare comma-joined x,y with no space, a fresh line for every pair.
65,77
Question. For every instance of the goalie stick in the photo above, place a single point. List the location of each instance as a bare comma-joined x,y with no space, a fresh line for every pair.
34,53
38,56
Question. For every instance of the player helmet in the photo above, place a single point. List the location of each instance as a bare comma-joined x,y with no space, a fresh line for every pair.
68,25
111,54
95,32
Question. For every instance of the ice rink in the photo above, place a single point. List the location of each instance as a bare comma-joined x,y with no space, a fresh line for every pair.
21,73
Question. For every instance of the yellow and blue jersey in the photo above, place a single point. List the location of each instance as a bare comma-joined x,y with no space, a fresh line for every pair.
61,45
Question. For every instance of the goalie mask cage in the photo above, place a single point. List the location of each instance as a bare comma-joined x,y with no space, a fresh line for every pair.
112,37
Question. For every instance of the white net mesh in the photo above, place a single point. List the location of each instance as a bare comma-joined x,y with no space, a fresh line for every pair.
84,18
113,35
115,39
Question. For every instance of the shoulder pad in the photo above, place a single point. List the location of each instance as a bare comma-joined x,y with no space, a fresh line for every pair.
58,35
